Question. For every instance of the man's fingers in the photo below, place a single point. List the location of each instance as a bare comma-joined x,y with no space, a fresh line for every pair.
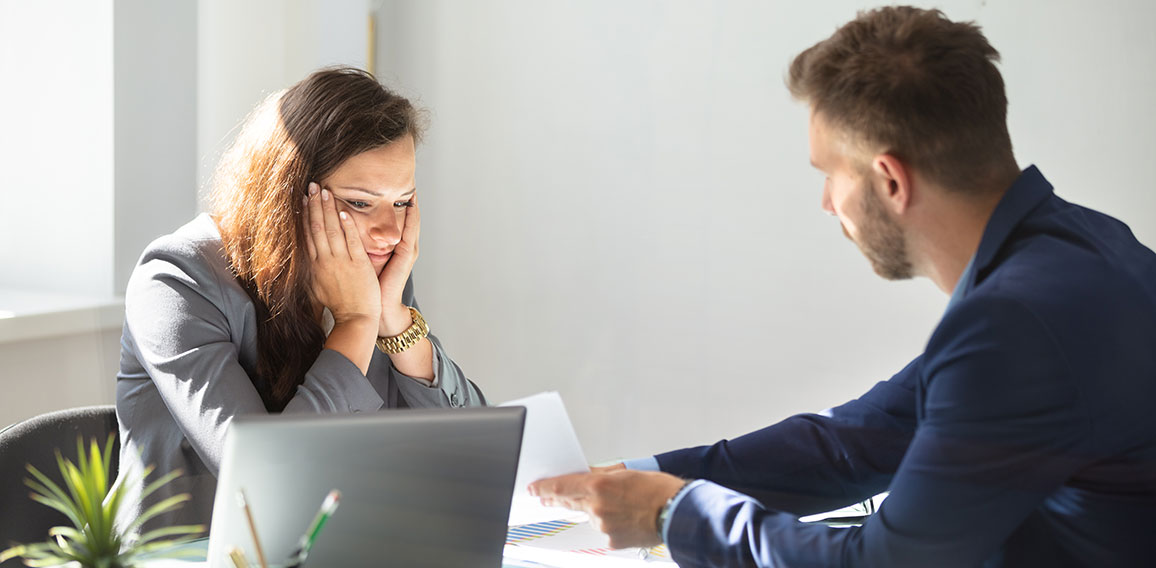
563,486
608,468
556,502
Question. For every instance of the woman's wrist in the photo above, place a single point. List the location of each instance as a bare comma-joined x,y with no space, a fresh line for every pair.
394,320
353,319
354,337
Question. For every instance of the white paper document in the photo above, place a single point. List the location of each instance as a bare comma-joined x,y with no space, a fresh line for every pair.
549,448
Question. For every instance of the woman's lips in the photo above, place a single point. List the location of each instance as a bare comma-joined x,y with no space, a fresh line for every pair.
379,257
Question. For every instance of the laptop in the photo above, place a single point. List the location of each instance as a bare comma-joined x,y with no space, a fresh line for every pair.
419,488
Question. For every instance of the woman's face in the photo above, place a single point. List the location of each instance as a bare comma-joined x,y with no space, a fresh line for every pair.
375,187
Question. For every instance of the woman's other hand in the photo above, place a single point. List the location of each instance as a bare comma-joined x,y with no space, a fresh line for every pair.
395,317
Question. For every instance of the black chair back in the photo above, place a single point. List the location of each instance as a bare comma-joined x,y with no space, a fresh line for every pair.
35,441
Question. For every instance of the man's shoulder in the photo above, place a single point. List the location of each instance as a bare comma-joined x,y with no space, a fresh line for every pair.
1062,255
1069,285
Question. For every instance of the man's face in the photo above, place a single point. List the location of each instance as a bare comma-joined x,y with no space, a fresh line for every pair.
848,194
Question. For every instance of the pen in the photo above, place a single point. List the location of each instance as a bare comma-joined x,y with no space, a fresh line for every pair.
252,527
328,506
238,558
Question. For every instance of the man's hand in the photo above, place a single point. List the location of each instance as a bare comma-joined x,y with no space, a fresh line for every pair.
624,504
608,468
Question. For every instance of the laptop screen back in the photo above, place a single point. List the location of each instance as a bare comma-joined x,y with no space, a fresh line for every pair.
419,488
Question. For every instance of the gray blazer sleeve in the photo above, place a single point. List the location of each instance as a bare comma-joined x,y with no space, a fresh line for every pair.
452,388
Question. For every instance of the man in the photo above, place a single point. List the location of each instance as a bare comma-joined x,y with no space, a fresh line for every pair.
1024,435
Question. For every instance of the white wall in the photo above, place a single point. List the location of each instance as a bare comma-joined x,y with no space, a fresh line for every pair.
155,53
252,48
41,375
617,200
56,146
97,142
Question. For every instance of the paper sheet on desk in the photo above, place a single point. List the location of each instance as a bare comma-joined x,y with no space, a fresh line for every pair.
570,544
549,448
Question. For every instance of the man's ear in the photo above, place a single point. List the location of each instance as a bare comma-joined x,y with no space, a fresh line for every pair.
893,181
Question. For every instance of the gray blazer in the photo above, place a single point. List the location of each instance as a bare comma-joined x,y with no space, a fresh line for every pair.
187,350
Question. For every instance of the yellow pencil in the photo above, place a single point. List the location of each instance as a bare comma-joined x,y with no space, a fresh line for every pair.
252,527
238,558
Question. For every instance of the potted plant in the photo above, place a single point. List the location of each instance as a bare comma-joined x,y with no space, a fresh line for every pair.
86,498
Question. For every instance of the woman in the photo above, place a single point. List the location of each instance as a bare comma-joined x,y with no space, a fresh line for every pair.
292,296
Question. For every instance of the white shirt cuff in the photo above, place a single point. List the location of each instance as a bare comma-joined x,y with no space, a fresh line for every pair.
649,463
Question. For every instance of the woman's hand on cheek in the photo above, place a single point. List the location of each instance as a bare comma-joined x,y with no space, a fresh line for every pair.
343,278
395,316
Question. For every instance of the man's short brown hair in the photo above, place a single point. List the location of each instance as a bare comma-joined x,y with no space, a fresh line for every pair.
910,82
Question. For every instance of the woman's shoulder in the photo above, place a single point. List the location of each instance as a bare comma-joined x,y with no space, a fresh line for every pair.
191,252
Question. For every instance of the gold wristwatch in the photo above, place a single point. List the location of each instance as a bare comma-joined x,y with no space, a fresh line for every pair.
406,339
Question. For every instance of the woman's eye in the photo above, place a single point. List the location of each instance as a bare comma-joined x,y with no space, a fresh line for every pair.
356,204
403,204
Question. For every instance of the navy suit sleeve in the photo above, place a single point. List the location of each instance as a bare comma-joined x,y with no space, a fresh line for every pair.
1000,430
811,463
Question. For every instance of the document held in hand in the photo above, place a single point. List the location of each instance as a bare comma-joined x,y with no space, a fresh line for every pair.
549,448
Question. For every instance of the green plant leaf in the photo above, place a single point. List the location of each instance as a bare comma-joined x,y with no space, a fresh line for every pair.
163,506
160,482
46,554
178,530
167,549
96,478
48,488
62,507
91,504
116,494
67,532
13,552
75,484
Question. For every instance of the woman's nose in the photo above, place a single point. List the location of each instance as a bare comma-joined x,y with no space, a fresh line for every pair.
385,229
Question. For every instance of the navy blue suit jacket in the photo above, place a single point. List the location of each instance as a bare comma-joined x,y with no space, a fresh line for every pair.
1024,435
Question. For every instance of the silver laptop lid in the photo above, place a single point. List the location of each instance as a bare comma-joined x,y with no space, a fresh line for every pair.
419,488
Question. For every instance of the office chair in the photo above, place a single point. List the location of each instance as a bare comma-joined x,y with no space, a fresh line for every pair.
35,441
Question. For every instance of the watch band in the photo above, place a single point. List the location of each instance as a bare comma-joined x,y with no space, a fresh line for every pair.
416,332
664,512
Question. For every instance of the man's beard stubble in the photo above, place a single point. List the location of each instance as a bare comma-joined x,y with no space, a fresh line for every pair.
882,240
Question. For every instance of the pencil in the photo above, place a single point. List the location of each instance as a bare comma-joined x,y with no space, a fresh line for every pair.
252,527
328,506
238,558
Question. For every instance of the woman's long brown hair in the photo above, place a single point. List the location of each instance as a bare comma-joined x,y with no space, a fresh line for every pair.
294,137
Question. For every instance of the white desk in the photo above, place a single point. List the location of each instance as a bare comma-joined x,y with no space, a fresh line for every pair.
515,557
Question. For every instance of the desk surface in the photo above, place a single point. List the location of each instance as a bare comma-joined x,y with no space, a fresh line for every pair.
515,557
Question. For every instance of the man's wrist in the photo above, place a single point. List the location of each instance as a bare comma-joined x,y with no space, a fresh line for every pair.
667,510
